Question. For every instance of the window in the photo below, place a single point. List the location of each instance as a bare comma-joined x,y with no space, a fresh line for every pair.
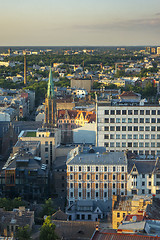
141,112
129,112
135,136
158,176
153,112
122,177
114,169
123,112
158,128
118,120
79,185
141,128
129,136
46,143
114,176
111,136
129,120
129,128
118,128
118,214
106,144
96,176
105,185
143,191
112,112
88,194
123,120
105,177
149,183
150,175
135,128
112,120
158,112
117,136
153,120
88,169
71,185
71,168
158,144
143,175
135,112
111,144
123,144
152,144
80,168
122,185
149,191
105,194
147,136
96,169
141,136
71,194
143,183
80,176
111,128
96,194
114,185
153,128
106,136
123,128
117,144
118,112
88,185
135,144
106,128
46,149
106,120
135,120
141,144
147,128
146,144
123,136
158,120
88,176
129,144
147,120
71,176
96,185
105,169
141,120
80,194
106,112
147,112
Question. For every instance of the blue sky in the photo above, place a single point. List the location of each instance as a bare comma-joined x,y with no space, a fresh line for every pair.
85,22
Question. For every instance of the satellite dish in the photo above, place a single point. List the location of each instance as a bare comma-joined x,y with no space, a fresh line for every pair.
134,218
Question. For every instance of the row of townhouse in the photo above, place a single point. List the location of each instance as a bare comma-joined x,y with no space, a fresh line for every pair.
96,175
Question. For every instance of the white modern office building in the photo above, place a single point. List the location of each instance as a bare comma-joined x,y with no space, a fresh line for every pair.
128,123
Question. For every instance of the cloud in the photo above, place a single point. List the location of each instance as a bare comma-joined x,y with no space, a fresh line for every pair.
141,24
157,14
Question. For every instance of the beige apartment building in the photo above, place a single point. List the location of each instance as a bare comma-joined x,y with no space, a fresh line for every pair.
94,174
49,140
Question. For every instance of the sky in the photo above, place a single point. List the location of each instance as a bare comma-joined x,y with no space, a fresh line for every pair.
79,23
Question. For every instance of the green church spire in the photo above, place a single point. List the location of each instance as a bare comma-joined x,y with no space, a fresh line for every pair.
50,90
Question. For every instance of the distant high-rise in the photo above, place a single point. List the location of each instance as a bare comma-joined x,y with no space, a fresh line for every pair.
9,51
25,69
50,104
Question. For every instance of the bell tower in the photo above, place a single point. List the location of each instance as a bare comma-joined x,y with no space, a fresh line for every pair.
50,105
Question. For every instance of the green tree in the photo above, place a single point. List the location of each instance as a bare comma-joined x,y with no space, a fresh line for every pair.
23,233
48,208
47,231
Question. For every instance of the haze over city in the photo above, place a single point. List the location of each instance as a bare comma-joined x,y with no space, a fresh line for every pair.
85,22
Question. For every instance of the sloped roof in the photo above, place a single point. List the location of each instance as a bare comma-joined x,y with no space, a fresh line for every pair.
120,236
59,215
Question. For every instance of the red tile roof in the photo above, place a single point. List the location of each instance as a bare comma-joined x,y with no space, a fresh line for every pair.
119,236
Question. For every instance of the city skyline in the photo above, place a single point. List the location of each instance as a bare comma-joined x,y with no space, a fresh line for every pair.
74,23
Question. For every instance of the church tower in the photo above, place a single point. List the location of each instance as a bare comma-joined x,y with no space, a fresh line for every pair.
50,105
